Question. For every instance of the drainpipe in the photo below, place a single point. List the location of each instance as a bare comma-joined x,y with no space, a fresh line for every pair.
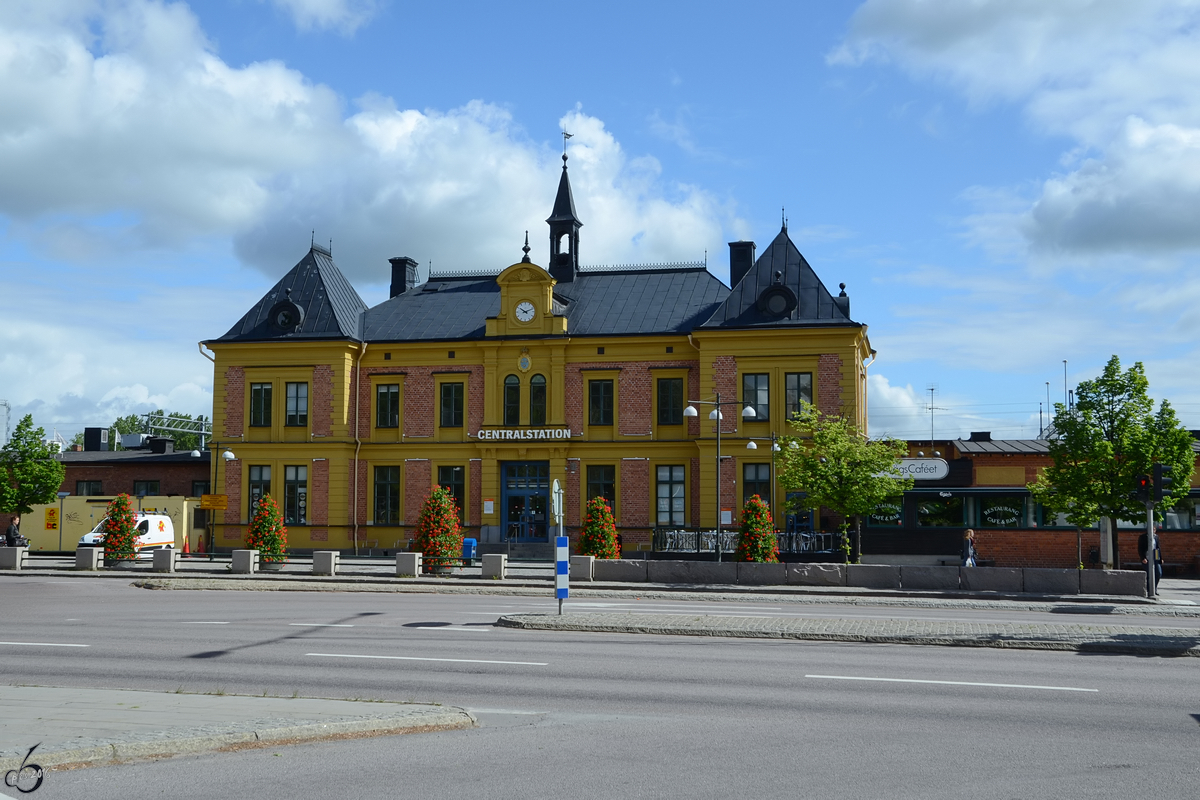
357,441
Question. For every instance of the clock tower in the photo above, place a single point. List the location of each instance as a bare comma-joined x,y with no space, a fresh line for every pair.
564,232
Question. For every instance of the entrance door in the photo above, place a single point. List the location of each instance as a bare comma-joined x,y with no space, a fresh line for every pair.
525,494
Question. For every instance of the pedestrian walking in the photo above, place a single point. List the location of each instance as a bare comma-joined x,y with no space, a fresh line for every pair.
969,553
1143,546
13,535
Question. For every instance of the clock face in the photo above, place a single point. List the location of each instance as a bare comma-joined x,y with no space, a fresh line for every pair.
525,311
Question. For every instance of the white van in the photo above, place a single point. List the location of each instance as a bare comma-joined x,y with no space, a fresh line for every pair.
155,532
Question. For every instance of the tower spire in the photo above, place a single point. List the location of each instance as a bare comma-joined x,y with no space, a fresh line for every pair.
564,228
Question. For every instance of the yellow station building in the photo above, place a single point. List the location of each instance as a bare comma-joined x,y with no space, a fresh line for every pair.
496,384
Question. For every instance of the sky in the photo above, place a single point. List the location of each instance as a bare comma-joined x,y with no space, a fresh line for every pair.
1002,185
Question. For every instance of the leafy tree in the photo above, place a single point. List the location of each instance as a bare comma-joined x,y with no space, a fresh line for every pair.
1104,442
438,534
29,473
756,541
266,532
130,423
120,531
839,468
599,535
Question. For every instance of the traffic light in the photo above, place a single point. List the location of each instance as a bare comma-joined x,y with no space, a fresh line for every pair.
1142,488
1164,482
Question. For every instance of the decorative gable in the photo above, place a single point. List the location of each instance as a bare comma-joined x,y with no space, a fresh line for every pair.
527,306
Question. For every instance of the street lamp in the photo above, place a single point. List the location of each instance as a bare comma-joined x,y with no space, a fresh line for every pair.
61,495
750,445
212,525
715,414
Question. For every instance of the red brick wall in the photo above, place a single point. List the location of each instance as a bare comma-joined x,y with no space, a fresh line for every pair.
694,517
729,487
418,480
172,478
573,512
318,503
724,381
1059,548
634,402
829,384
322,407
636,489
235,401
635,393
420,402
233,488
475,501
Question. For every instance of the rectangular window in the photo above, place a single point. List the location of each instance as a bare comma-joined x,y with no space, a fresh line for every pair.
145,488
940,512
297,405
600,402
387,405
797,387
88,488
260,405
452,405
671,495
756,480
537,400
200,488
889,513
512,401
387,495
454,479
260,484
602,482
757,395
670,401
295,495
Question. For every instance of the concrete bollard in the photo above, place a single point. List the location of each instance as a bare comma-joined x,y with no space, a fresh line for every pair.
166,560
326,562
495,565
245,562
583,568
13,557
408,565
88,558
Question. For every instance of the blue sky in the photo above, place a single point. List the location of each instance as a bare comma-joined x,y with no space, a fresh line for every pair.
1002,184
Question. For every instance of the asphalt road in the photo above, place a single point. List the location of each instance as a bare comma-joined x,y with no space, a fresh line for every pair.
598,715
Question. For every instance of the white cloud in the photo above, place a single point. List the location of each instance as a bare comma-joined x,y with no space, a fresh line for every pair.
345,16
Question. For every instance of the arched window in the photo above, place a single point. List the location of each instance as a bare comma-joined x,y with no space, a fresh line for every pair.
512,400
537,400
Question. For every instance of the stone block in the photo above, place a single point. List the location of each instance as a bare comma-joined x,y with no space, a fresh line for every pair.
1112,581
326,562
165,560
916,578
620,570
1051,581
873,576
495,565
245,562
88,558
752,573
991,579
408,565
582,568
816,574
704,572
13,557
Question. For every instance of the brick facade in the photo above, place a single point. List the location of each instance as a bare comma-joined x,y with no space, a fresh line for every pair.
233,488
318,500
322,400
475,492
725,381
636,490
173,478
829,384
418,480
235,401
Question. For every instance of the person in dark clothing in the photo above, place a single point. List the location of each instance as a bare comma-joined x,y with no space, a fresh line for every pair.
1143,547
969,554
13,534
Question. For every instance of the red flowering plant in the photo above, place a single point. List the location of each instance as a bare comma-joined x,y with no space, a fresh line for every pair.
599,535
267,533
439,535
120,531
757,541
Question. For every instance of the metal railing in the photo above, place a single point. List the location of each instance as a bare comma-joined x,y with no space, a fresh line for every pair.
806,542
677,540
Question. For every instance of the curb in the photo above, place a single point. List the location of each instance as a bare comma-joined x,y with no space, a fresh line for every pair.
1087,639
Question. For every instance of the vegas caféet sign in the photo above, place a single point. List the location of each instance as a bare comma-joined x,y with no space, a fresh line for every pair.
922,469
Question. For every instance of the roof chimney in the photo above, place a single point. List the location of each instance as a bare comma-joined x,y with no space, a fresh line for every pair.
404,274
95,439
980,436
741,261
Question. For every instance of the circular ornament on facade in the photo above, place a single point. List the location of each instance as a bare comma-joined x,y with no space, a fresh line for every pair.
777,301
525,311
286,316
524,362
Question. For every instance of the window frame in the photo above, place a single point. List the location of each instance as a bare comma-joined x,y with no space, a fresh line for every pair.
761,402
791,403
295,494
671,482
255,478
539,396
601,414
390,406
666,412
391,494
260,404
457,404
84,488
294,416
763,478
590,483
145,488
457,488
512,401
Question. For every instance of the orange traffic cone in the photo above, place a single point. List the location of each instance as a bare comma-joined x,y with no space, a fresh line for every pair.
186,549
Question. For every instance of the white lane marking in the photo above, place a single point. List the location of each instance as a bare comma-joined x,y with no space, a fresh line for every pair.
953,683
415,658
44,644
321,624
449,628
201,622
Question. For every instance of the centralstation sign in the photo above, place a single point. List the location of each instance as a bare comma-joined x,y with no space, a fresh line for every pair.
523,433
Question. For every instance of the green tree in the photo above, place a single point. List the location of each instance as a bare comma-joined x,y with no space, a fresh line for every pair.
599,535
1104,442
839,468
29,473
266,532
130,423
120,531
438,534
756,541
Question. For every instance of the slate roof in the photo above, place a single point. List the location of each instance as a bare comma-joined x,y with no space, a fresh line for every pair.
814,303
1011,446
564,201
71,457
332,308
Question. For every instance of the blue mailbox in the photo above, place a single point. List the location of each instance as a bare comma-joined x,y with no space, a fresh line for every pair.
469,546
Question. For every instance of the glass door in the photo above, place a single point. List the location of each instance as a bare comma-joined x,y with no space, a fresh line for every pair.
525,494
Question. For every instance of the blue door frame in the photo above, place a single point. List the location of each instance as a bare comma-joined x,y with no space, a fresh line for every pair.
525,500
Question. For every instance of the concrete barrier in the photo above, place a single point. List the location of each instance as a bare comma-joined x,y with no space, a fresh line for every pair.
816,574
620,570
87,559
917,578
752,573
245,562
1051,581
991,579
582,568
408,565
326,562
873,576
13,557
691,572
166,560
1112,581
495,565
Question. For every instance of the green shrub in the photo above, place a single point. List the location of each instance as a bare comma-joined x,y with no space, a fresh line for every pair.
266,533
599,535
438,535
120,530
757,540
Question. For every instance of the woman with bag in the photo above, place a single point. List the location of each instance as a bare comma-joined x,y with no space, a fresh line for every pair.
969,553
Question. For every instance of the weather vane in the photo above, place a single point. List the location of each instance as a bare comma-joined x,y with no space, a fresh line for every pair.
565,137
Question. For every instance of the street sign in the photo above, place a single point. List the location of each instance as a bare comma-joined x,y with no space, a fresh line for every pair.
214,502
556,501
562,567
51,519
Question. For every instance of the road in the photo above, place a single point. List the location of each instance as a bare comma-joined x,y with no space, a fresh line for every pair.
600,715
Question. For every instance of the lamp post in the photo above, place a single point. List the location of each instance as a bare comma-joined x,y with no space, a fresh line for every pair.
61,495
750,445
715,414
212,525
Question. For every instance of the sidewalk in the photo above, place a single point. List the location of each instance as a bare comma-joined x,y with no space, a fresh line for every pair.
101,726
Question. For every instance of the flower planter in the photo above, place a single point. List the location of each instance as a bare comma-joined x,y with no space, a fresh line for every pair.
124,563
270,566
